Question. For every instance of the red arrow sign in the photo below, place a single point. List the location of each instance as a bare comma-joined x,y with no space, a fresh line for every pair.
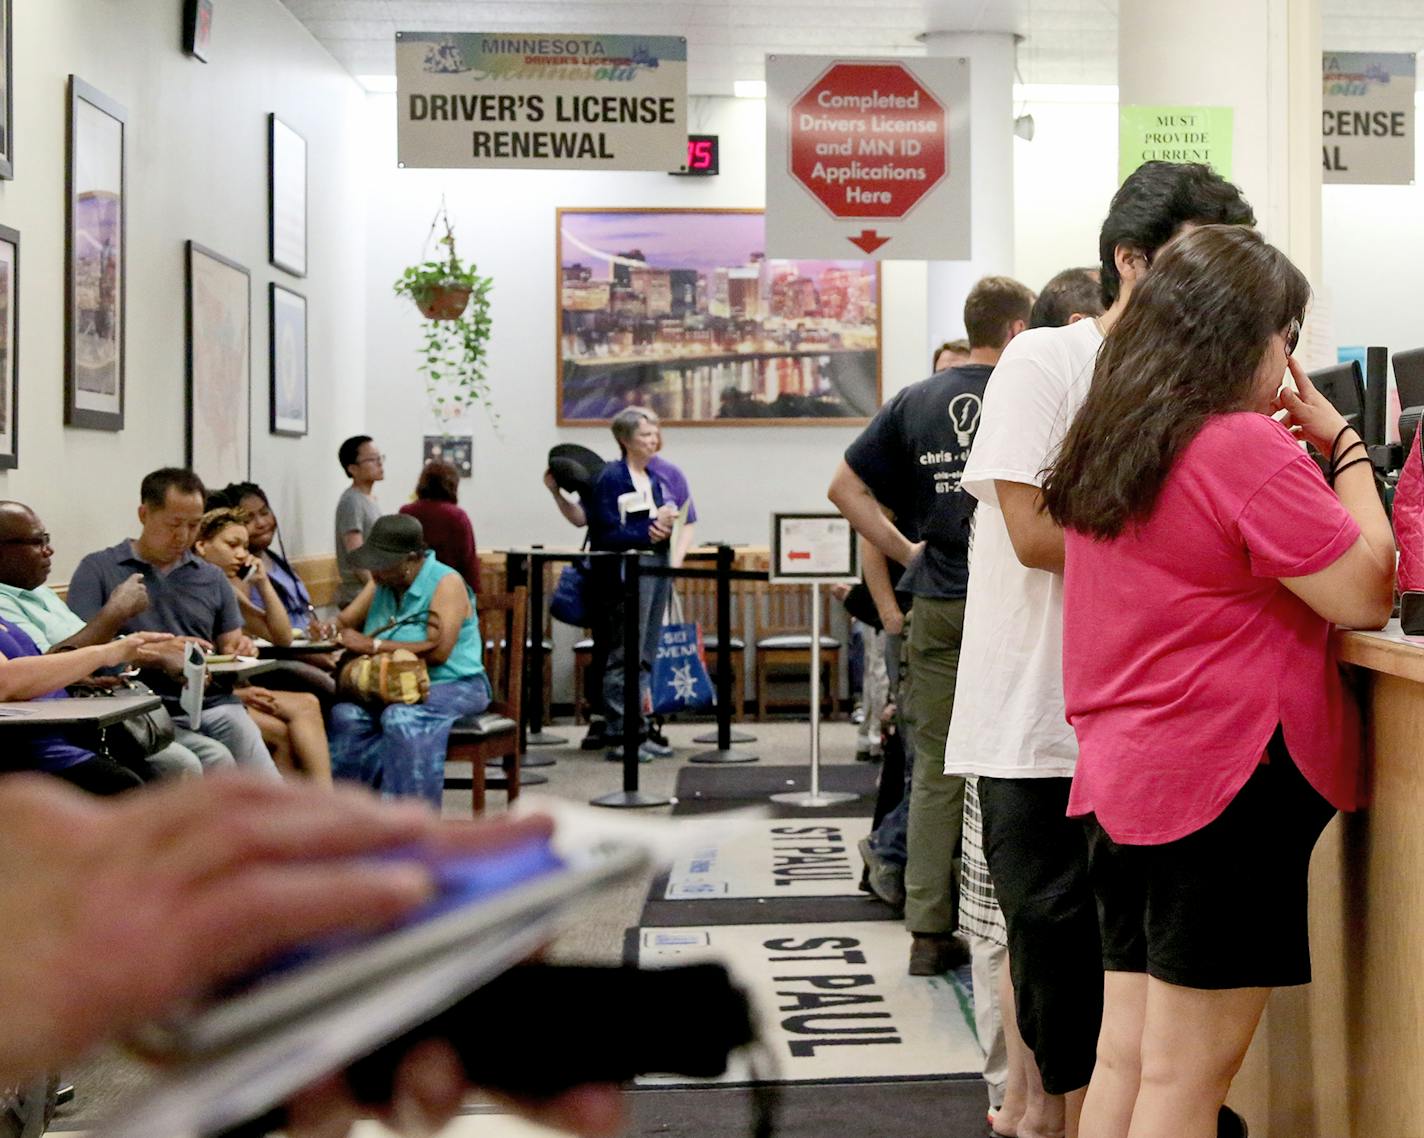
798,555
868,240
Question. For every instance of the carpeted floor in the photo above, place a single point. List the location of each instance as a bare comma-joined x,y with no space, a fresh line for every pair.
902,1108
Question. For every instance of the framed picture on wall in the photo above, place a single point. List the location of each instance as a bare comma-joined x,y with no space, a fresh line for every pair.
288,363
7,93
96,259
459,450
197,27
219,396
680,310
9,348
287,197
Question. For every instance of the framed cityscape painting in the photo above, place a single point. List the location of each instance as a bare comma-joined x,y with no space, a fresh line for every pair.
286,197
288,362
219,367
9,348
680,311
95,261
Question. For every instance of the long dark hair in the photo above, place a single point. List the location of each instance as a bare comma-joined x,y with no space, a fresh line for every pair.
1187,347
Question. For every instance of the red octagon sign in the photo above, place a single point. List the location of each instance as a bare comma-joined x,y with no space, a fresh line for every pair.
868,140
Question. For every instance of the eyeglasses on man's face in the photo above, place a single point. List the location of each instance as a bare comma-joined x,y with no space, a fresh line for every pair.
39,540
371,458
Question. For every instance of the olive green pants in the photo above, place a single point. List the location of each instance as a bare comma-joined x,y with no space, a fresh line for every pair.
936,799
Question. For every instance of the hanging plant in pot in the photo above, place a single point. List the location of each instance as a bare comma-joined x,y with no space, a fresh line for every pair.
454,300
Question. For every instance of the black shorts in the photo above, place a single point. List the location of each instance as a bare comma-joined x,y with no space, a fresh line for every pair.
1226,906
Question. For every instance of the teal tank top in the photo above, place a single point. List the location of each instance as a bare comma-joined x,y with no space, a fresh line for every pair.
466,659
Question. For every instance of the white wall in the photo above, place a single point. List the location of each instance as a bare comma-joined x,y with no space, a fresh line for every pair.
505,222
1063,181
197,168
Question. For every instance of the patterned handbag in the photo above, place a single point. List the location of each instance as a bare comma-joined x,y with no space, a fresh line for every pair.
385,677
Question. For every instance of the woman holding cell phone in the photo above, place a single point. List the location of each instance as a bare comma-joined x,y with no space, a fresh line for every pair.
291,722
1206,560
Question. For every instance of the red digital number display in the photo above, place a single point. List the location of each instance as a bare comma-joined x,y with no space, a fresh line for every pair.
701,154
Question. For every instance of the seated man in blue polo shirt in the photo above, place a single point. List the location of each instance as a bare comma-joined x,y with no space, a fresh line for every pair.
186,597
31,606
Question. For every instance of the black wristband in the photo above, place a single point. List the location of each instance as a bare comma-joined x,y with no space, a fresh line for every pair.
1338,437
1335,463
1334,474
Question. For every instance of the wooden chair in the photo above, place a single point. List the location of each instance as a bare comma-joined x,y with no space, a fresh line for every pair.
783,643
583,660
699,603
495,733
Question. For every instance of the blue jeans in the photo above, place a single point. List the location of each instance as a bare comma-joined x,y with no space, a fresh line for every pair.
230,725
400,749
891,838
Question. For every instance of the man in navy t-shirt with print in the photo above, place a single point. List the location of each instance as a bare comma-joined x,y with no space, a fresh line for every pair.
899,487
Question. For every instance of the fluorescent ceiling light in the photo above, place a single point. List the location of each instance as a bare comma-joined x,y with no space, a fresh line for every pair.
749,88
378,84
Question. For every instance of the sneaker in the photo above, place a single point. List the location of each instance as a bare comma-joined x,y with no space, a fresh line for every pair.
655,735
884,878
597,737
858,715
1229,1124
654,749
934,953
615,755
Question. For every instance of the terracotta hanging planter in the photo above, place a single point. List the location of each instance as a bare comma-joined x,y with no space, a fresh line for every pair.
454,300
444,302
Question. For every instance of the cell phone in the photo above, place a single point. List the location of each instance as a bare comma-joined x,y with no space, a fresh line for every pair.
245,571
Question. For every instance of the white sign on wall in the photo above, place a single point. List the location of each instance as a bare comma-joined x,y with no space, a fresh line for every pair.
867,157
535,101
1368,118
813,547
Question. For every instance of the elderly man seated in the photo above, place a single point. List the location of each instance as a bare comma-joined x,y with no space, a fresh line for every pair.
29,605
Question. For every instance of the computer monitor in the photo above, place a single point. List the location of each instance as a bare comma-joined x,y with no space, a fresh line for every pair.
1409,377
1344,385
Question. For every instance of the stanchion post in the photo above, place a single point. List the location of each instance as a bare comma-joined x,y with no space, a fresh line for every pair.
537,736
630,795
724,752
814,797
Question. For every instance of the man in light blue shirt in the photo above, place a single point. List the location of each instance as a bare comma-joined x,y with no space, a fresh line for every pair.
30,605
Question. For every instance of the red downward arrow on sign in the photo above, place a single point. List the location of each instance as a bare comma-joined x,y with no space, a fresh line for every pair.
798,555
868,240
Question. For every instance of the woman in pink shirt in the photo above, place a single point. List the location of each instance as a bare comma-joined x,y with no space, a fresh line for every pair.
1206,559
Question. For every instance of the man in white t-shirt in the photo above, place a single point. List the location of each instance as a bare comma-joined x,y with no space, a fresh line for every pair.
1008,725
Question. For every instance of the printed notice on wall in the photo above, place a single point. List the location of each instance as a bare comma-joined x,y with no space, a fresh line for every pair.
1367,118
867,158
541,102
1174,134
813,546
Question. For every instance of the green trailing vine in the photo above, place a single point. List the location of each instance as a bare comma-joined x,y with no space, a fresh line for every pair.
454,302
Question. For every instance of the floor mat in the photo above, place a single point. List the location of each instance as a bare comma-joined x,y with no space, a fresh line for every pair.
920,1108
706,789
779,869
834,1000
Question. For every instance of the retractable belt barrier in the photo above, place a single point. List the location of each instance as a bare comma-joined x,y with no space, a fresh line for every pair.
530,562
